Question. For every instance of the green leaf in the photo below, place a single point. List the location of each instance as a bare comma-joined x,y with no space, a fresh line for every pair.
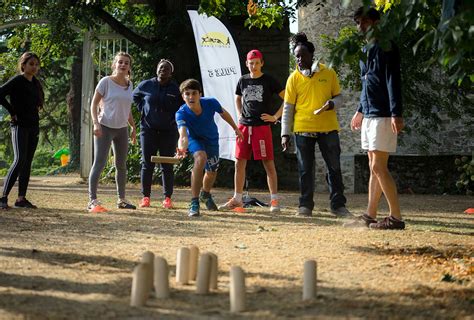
457,34
346,3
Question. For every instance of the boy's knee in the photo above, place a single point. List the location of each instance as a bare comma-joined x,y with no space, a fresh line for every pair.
378,168
200,159
240,164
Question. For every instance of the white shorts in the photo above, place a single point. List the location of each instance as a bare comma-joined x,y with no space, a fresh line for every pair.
377,135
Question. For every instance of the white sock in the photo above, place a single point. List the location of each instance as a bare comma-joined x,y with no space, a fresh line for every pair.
238,196
274,196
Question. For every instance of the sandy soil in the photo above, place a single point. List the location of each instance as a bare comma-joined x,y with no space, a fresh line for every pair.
60,262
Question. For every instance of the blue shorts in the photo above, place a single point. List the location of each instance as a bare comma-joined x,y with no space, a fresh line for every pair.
212,152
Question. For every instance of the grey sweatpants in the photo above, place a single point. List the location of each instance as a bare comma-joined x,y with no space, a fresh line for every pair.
118,138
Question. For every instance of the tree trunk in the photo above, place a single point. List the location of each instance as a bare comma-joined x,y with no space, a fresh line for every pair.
74,97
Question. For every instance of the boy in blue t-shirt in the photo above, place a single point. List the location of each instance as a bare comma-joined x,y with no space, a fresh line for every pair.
198,133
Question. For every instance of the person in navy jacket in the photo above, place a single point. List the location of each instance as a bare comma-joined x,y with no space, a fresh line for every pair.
158,99
379,117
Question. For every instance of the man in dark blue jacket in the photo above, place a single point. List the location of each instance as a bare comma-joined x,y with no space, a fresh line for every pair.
379,118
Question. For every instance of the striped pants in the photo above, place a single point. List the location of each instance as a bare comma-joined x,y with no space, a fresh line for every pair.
25,141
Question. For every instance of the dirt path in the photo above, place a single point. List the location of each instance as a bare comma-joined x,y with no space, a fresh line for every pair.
60,262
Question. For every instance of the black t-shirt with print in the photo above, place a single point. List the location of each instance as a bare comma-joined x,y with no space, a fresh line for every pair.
256,98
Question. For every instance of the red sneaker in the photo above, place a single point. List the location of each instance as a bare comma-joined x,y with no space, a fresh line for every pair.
96,207
167,203
274,206
145,203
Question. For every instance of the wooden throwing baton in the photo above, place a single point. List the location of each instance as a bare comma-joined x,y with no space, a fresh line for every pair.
162,159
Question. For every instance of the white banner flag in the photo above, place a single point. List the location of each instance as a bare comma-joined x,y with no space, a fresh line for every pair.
220,71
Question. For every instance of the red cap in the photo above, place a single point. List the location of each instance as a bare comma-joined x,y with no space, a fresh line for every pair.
254,54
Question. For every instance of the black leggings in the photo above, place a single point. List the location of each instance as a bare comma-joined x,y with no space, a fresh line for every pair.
25,141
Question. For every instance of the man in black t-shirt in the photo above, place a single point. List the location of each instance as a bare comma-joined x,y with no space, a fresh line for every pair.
253,99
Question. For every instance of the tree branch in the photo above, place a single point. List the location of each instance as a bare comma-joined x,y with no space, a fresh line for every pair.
158,7
120,28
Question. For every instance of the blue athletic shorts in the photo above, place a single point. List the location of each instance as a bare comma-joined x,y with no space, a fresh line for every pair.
212,152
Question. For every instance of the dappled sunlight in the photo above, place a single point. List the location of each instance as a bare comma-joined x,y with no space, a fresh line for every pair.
61,261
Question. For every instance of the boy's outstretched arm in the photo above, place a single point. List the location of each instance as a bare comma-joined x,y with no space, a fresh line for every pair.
182,142
228,118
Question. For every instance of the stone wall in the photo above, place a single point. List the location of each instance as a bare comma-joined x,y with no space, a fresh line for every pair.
273,43
414,174
454,137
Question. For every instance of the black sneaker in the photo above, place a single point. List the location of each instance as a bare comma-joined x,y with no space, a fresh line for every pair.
206,197
304,212
342,212
362,221
24,204
389,223
125,204
4,203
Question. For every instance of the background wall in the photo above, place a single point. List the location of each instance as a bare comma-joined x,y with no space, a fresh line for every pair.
454,137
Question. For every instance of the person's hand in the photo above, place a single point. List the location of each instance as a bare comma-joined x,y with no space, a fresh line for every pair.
285,143
14,119
239,134
180,153
397,124
356,122
268,118
97,130
133,135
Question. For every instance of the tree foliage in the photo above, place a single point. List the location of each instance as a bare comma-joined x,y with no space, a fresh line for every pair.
430,91
434,33
445,30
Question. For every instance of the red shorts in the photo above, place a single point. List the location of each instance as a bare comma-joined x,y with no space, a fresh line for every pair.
257,140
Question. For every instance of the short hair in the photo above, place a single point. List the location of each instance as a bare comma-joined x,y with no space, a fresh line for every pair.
301,39
190,84
166,61
368,12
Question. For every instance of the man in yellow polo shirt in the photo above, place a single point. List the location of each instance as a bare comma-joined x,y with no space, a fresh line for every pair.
311,96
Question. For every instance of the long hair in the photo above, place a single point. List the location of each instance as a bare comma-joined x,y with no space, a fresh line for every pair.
25,57
122,54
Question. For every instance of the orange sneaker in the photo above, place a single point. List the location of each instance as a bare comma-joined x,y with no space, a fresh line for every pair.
95,206
145,202
274,206
239,210
167,203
